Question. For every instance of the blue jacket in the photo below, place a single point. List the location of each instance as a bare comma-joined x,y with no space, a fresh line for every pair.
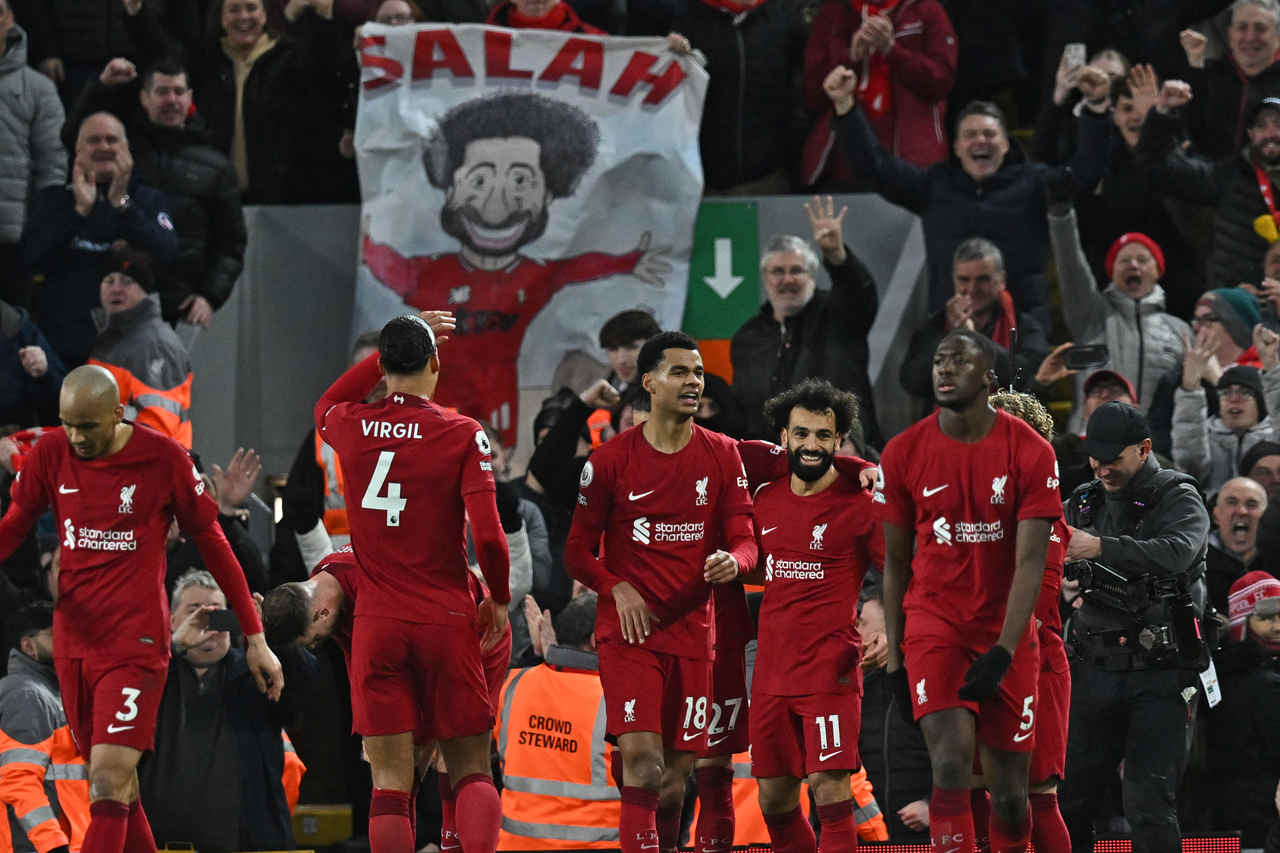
21,396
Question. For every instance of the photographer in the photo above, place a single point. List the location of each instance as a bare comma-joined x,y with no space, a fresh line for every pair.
1137,547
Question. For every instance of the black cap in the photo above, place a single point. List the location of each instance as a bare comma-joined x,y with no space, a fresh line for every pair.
1113,427
1264,104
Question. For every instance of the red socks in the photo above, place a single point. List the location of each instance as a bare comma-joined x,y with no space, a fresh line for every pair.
637,826
138,837
478,813
714,832
389,827
448,815
951,821
1048,829
108,827
839,831
980,802
668,823
790,832
1008,839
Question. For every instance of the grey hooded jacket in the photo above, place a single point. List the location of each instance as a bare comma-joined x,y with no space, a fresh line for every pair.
31,116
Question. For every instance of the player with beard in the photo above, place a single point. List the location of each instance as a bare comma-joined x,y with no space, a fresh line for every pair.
670,500
1053,699
817,532
501,161
974,493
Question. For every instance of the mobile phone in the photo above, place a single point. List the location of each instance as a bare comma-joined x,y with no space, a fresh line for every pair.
1074,54
1085,357
223,620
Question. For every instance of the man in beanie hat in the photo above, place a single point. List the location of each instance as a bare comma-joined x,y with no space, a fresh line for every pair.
140,349
1144,341
1244,731
1210,448
1223,321
1128,703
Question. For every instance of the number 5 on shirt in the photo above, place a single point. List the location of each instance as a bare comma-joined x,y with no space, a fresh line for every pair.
373,498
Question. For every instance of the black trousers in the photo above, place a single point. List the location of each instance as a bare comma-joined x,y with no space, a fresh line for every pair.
1143,719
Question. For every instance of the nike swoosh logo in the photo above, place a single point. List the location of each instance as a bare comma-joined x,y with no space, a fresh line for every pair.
693,736
768,530
113,729
717,741
931,492
63,490
648,847
823,756
1020,738
632,496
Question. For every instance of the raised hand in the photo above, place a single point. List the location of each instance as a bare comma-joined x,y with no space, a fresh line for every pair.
1174,94
1066,79
1193,44
1145,87
118,72
1054,366
235,484
828,227
441,323
1094,84
1267,343
839,85
83,188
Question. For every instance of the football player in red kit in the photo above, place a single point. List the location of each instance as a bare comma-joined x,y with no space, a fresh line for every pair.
670,500
1053,702
817,532
113,487
974,492
422,471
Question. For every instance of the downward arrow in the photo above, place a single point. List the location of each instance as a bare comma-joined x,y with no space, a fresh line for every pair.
724,281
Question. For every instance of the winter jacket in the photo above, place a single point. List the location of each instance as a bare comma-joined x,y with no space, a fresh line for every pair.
66,251
1145,343
754,59
30,118
1224,100
1204,447
922,67
200,184
1244,749
563,18
827,339
1008,208
150,365
1229,185
22,396
90,31
1223,568
894,755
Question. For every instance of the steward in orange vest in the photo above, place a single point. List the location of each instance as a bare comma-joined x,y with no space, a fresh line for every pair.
44,783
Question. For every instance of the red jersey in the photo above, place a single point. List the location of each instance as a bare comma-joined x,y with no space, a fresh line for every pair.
661,515
112,516
493,308
414,463
1047,612
964,501
816,550
344,567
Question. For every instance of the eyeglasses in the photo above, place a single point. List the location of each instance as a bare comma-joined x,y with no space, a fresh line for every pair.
396,20
1235,392
779,272
1205,319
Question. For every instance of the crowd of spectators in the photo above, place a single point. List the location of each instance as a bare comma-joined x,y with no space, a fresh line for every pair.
1100,177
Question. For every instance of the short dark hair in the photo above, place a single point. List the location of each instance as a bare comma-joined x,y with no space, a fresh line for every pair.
567,137
815,395
634,396
651,353
1120,88
286,612
575,623
405,345
982,108
366,340
31,619
986,347
628,326
169,66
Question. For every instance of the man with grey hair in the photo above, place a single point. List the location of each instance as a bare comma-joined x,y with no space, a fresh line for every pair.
979,302
802,332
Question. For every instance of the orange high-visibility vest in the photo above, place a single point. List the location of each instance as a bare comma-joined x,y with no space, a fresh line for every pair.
866,812
44,792
335,502
558,792
165,409
294,770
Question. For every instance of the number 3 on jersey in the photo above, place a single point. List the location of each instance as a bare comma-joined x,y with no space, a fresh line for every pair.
373,498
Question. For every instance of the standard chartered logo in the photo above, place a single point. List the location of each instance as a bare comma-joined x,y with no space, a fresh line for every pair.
70,534
794,570
640,530
93,539
768,569
942,530
969,532
644,532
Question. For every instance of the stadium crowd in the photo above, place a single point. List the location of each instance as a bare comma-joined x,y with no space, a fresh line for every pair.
1098,175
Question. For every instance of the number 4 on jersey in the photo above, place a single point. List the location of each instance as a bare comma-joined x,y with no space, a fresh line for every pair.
391,502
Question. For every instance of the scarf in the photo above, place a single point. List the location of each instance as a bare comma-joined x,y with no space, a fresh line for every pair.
1006,321
733,7
561,17
875,94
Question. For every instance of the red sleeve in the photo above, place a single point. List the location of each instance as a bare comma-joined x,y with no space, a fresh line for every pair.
14,527
736,510
929,73
1038,495
740,541
763,461
595,502
477,464
827,47
593,265
390,267
221,562
898,508
351,387
852,466
490,542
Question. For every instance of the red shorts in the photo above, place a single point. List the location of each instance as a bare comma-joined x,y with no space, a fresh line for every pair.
937,660
648,691
110,700
496,663
729,721
1053,707
798,735
414,677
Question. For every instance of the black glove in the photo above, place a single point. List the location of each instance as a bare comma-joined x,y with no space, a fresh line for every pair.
983,678
1061,188
900,694
509,507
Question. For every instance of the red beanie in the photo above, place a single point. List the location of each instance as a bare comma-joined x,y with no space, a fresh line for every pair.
1135,237
1244,596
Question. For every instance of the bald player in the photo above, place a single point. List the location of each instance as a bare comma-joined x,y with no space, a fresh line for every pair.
113,487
